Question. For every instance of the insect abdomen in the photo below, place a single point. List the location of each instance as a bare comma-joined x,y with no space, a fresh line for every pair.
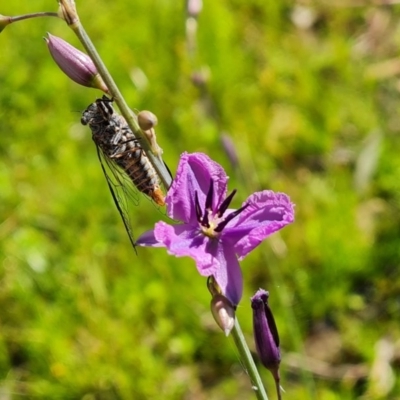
113,136
143,175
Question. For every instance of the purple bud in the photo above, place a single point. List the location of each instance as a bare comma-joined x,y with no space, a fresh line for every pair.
76,65
265,333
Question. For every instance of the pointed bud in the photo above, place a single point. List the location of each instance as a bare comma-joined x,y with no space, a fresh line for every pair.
76,65
4,21
266,335
223,313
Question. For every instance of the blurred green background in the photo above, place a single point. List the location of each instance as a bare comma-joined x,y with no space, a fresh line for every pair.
308,92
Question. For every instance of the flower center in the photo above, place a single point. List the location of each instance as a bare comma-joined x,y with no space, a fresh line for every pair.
212,222
209,229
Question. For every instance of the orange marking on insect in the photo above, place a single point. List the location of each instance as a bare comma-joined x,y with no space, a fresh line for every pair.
158,197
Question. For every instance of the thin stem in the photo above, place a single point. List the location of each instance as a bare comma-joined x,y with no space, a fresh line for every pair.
157,162
33,15
278,389
248,362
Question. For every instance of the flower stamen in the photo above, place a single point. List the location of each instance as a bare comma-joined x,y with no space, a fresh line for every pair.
225,204
229,218
197,207
210,195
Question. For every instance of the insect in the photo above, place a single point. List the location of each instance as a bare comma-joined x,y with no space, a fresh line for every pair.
122,159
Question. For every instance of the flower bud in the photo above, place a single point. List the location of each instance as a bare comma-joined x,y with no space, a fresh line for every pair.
266,334
223,313
76,65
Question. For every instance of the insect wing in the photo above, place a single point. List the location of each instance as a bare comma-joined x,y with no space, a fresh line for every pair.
125,166
122,190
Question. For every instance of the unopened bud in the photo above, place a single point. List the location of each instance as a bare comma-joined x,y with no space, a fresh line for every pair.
147,120
266,335
76,65
223,313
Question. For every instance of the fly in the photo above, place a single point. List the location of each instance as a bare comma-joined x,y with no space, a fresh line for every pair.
122,159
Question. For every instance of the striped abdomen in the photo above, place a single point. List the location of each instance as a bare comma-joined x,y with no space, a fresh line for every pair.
114,138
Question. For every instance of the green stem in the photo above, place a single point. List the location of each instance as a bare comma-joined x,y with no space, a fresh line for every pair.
157,162
248,362
32,15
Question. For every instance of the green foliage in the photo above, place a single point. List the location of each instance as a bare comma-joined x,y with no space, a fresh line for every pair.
309,95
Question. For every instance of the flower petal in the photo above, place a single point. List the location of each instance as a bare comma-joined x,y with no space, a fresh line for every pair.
266,213
184,240
195,172
229,275
147,239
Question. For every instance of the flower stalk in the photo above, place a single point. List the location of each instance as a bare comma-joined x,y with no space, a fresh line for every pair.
248,362
80,32
67,11
7,20
230,325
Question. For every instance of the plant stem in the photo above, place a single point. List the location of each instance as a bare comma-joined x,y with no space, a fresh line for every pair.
248,362
33,15
156,160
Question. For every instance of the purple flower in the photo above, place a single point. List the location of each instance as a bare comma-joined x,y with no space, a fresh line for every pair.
215,236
